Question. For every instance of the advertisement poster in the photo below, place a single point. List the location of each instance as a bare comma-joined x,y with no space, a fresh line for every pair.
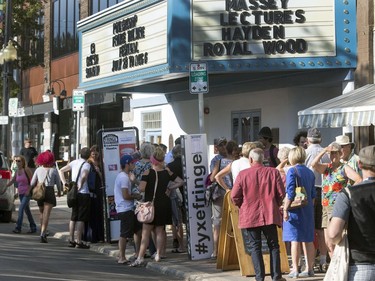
115,144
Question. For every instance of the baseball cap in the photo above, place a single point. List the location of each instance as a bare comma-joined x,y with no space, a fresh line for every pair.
367,155
314,133
219,141
127,159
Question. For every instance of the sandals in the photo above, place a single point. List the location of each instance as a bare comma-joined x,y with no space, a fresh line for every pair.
138,263
72,244
126,262
178,251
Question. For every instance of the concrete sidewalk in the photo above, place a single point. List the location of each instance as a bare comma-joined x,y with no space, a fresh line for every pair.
176,264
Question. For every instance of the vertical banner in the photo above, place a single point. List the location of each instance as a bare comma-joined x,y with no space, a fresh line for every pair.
115,144
199,226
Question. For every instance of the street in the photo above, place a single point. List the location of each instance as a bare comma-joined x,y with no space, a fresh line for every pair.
23,257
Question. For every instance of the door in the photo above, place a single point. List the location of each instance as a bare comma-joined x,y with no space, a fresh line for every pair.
245,125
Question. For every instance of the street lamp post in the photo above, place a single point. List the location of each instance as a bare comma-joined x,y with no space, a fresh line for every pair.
7,56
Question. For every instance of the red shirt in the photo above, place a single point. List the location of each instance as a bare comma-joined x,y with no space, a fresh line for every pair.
258,192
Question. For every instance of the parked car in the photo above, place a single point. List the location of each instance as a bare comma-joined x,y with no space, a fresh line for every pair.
6,193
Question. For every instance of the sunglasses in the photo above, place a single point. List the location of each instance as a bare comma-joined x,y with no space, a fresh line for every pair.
18,161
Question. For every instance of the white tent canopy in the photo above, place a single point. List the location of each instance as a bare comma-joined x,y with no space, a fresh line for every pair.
356,108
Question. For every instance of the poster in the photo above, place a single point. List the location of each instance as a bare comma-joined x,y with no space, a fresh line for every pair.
115,144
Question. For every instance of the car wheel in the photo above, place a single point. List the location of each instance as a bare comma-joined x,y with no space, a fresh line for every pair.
6,216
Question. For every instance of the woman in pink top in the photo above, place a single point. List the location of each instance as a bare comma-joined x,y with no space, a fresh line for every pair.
22,177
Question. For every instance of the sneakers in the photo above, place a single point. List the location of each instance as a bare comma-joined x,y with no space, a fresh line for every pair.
16,230
309,273
82,246
138,263
43,239
293,274
323,268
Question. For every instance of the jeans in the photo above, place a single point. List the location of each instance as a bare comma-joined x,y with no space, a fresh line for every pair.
25,207
270,232
362,272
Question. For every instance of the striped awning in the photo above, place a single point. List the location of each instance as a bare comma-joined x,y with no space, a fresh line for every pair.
356,108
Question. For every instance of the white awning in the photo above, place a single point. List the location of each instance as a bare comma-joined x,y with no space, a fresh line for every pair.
356,108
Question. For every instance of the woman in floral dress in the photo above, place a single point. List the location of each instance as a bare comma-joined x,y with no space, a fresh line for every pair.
336,176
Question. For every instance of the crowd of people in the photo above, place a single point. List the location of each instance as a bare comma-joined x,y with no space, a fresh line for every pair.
264,190
262,180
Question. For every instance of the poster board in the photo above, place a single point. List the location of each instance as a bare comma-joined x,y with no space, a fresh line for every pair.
199,225
114,143
233,248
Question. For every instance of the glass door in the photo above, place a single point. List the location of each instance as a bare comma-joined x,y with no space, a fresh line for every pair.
245,125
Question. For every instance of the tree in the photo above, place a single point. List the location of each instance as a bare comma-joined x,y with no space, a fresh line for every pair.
27,31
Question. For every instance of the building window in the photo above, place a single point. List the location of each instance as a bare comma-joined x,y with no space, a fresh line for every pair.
64,31
245,126
151,126
99,5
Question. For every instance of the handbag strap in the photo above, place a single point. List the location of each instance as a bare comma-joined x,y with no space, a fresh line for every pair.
79,172
297,176
156,184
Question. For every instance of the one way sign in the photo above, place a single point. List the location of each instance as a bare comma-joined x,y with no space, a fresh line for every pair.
198,78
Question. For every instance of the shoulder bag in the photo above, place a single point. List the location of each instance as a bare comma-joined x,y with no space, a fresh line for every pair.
145,211
338,269
213,190
71,197
300,199
39,191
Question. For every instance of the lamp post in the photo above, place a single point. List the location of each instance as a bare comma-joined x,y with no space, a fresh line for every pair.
7,56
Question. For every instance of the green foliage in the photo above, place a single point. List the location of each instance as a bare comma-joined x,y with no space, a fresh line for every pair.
26,25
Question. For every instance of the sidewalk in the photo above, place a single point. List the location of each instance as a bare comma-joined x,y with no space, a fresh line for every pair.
175,264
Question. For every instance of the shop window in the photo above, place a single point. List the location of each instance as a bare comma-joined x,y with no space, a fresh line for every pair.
64,30
99,5
245,126
151,126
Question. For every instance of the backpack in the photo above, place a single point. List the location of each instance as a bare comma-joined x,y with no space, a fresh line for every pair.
91,179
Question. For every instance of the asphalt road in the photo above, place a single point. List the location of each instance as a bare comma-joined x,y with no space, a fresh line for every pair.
23,257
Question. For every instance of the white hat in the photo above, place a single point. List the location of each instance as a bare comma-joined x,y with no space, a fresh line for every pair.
344,140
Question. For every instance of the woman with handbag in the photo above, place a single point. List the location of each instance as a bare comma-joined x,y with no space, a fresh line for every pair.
22,177
298,223
47,173
355,210
336,176
155,183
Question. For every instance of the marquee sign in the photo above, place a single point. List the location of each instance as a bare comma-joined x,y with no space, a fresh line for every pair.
134,41
288,30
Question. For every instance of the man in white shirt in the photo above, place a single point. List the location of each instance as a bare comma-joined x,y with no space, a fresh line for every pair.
81,211
124,199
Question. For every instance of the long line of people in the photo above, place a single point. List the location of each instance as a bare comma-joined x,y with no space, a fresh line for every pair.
262,181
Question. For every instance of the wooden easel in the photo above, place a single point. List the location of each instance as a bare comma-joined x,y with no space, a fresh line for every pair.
231,253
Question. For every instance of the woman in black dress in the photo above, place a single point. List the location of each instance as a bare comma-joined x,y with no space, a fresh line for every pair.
163,212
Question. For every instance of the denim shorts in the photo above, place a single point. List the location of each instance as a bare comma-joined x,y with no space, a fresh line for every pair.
361,272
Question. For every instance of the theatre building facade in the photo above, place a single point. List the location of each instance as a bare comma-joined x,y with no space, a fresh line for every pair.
267,61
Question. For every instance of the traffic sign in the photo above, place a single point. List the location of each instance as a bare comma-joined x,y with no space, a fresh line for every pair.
198,78
78,100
